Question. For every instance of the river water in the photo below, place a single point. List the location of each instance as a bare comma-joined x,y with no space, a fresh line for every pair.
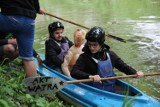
137,21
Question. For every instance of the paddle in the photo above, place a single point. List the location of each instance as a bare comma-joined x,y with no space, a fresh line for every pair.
109,35
47,85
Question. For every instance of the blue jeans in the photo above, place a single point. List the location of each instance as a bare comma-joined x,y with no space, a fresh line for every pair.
23,29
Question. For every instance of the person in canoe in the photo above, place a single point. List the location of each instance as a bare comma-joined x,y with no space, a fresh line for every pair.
98,61
57,46
9,48
74,52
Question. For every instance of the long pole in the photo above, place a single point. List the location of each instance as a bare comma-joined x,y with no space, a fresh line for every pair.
115,77
108,35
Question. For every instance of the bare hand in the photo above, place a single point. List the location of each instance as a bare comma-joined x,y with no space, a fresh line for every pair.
41,11
96,78
39,60
139,74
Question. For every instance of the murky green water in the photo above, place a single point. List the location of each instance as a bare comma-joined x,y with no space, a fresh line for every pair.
137,20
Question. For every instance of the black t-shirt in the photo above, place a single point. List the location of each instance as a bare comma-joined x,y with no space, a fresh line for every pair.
27,8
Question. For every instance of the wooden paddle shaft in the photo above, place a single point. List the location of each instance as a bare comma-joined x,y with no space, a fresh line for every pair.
67,21
109,35
110,78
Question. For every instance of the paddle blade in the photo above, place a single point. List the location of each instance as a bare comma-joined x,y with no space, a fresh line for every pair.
43,85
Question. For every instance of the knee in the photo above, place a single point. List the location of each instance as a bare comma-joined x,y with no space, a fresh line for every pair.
11,48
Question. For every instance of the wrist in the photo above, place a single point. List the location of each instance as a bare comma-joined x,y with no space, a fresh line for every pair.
90,77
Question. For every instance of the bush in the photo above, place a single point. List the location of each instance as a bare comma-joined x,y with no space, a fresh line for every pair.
13,91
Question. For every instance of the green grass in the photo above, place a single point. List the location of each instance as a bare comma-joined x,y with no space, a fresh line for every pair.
128,102
13,91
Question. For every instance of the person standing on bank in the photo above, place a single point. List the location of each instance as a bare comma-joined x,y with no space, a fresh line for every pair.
98,62
18,17
57,46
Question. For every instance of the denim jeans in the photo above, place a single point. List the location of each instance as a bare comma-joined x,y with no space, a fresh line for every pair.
23,29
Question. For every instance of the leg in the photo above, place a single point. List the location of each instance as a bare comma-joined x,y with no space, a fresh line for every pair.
25,39
23,29
9,51
29,68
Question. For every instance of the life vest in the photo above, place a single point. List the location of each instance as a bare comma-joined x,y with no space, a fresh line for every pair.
104,70
64,49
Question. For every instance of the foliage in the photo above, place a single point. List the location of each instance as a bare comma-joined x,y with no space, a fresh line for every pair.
128,102
13,91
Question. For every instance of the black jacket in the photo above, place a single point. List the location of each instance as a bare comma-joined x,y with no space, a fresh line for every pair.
27,8
52,49
86,66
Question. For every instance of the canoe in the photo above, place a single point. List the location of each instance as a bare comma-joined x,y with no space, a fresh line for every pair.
82,95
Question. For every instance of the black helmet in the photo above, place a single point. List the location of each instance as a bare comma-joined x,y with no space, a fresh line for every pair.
96,34
53,26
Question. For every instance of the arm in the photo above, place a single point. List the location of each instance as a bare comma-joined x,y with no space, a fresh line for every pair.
66,62
118,63
35,54
121,65
52,50
78,69
84,67
37,7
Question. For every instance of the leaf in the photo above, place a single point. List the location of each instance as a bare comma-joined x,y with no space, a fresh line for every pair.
41,102
5,103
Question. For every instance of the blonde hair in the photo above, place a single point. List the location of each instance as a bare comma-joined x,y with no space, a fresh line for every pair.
80,34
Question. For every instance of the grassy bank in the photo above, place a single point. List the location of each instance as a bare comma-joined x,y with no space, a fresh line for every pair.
13,91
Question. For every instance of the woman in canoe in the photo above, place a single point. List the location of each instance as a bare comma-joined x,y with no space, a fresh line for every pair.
98,61
74,52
